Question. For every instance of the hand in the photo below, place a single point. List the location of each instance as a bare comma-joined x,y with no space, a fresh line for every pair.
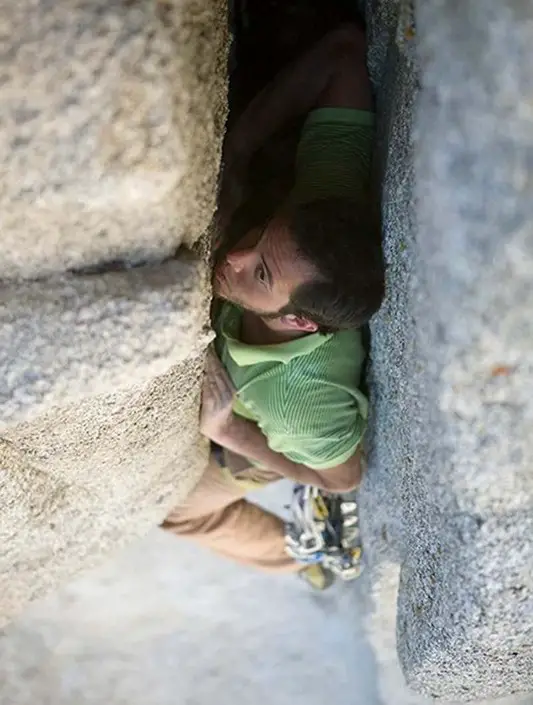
217,399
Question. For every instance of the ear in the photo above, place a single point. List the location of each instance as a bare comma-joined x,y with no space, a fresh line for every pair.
298,323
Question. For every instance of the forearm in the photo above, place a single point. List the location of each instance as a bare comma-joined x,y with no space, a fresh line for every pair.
294,92
246,439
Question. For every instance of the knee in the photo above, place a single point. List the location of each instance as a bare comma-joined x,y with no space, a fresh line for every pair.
179,523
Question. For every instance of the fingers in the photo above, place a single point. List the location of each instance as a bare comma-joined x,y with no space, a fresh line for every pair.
217,378
211,354
210,359
223,386
213,366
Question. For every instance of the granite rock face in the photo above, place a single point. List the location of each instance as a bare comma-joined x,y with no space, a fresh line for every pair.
112,113
145,318
112,119
448,499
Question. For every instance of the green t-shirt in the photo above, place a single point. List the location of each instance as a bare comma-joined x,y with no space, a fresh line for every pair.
304,394
334,155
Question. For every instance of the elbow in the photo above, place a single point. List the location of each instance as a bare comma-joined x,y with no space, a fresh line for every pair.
350,478
343,487
344,477
351,486
348,484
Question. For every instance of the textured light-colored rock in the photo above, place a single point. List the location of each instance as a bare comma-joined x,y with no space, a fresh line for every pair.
122,328
448,495
167,623
112,118
449,492
380,629
80,482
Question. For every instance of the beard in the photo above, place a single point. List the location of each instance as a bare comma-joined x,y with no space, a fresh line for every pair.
223,294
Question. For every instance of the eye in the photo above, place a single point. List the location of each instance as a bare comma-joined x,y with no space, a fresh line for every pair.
260,273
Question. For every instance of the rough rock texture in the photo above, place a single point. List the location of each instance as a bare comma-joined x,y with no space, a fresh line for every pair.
380,627
145,318
168,623
112,117
449,492
99,432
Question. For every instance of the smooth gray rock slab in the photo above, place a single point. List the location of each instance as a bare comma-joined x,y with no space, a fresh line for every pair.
168,623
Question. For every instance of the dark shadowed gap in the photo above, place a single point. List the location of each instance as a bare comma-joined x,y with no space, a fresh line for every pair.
267,36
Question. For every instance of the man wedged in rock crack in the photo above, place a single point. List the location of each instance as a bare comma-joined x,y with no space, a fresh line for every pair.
282,394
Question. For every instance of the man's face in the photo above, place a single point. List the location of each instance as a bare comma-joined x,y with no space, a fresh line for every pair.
263,270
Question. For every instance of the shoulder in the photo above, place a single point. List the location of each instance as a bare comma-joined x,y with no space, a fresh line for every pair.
311,409
341,356
309,388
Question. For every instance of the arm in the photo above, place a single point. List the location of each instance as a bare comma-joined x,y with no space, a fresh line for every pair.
243,437
332,74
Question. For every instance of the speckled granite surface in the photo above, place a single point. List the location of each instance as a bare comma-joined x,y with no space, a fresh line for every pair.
448,501
112,117
446,505
111,114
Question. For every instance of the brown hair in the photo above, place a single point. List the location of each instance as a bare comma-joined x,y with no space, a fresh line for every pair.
341,239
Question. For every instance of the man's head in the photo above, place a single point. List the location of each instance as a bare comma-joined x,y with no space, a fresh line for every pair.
316,266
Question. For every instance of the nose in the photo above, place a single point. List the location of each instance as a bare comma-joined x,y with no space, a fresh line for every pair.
237,260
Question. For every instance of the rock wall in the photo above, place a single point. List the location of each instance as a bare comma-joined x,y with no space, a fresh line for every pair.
112,117
448,500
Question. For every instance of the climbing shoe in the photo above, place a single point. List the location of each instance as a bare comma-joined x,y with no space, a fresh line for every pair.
317,577
323,531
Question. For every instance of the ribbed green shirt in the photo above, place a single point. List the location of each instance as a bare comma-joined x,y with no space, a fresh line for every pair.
334,155
304,394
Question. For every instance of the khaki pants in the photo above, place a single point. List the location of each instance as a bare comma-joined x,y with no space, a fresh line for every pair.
217,515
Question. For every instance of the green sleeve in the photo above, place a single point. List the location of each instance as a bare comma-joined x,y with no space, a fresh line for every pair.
334,155
319,426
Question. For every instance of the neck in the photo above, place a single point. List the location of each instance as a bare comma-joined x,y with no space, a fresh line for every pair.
266,331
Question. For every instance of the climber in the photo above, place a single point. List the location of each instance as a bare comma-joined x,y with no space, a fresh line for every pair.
281,395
